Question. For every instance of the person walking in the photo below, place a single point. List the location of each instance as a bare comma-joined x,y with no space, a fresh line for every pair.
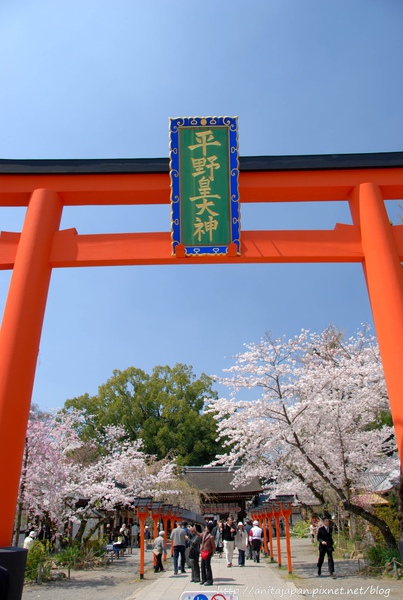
326,546
29,540
241,543
256,536
194,554
312,530
178,537
217,533
248,527
109,534
208,548
228,536
158,549
187,559
123,533
147,537
135,533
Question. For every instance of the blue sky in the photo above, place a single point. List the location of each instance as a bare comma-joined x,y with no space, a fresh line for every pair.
98,79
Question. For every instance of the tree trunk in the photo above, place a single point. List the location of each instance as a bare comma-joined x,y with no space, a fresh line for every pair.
352,508
400,515
374,520
79,535
18,516
20,504
352,528
91,532
360,512
400,508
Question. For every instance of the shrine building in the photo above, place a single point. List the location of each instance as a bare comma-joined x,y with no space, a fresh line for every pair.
219,497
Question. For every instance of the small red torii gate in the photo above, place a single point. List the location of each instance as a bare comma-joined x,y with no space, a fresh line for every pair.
45,187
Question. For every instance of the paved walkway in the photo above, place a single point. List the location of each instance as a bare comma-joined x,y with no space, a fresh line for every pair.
249,583
120,581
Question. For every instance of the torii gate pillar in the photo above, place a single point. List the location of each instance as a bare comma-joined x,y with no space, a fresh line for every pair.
19,340
384,277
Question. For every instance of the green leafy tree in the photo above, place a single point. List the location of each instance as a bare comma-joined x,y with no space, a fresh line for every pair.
164,409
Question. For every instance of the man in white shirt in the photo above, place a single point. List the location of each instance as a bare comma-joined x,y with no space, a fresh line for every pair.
256,535
29,540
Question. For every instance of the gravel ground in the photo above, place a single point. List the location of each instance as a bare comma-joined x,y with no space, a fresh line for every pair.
116,581
120,580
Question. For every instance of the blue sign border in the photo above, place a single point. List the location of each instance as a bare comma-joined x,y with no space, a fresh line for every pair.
174,161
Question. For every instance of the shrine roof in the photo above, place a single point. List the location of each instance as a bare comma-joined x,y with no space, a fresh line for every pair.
217,480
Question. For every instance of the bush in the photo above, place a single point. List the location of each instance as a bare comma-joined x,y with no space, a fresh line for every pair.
69,556
300,529
37,556
378,556
97,546
81,558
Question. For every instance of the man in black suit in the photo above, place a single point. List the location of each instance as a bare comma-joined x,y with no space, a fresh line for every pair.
325,540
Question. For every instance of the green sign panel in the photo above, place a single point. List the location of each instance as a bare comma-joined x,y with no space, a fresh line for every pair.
204,182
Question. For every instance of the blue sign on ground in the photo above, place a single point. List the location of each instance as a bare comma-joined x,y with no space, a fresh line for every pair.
208,596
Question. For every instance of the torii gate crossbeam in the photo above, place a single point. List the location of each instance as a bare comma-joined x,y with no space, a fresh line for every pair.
45,187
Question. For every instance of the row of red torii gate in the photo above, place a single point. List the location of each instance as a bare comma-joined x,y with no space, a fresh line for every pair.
269,514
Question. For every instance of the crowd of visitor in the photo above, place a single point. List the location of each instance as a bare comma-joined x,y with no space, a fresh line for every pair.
194,548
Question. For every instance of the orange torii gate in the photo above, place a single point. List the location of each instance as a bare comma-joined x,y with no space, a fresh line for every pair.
276,510
45,187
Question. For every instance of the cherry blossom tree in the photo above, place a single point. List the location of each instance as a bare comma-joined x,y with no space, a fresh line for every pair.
310,427
47,469
57,487
120,474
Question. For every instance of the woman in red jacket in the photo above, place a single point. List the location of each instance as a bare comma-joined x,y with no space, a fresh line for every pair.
207,550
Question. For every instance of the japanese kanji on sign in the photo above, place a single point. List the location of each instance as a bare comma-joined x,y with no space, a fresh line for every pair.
204,186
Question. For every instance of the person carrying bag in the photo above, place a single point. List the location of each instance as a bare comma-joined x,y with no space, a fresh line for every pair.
208,547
